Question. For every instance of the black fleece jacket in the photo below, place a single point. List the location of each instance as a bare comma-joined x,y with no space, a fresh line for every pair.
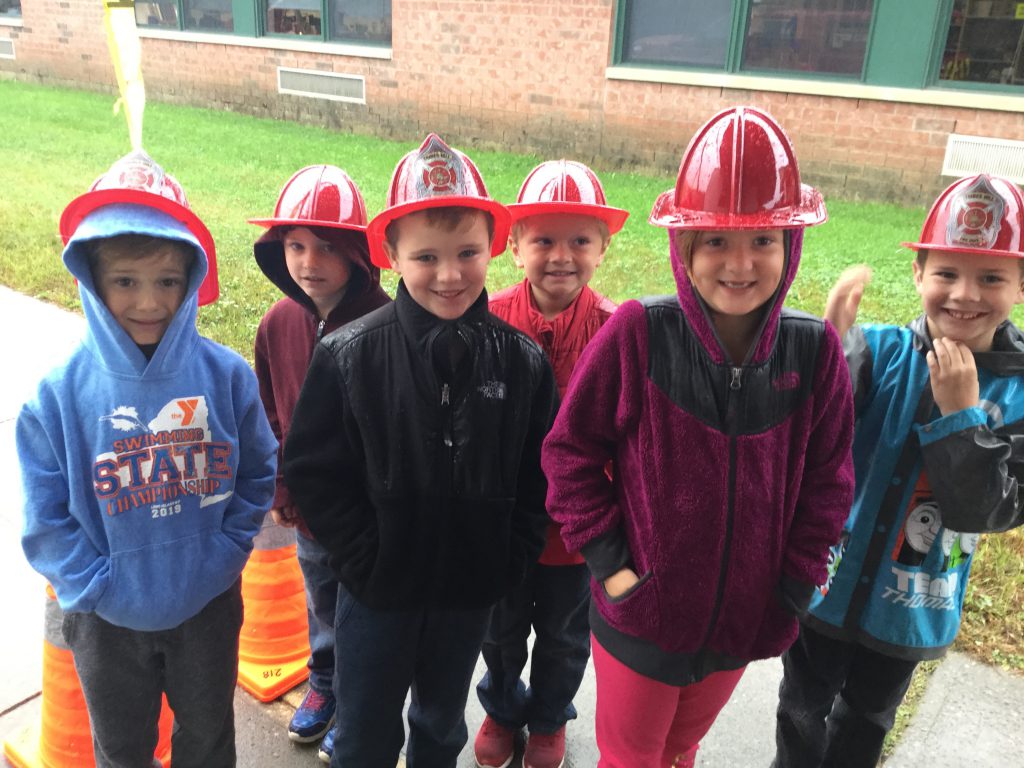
424,486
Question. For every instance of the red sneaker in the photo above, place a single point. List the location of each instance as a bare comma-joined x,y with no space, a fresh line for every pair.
494,746
545,750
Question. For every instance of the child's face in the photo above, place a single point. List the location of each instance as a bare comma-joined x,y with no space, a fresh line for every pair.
737,271
967,295
316,267
444,271
143,294
560,253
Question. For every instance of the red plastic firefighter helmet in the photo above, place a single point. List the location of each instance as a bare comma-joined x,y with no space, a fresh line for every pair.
319,196
565,186
739,172
435,176
136,178
976,214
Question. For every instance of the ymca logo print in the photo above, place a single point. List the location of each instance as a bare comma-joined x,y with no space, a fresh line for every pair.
171,457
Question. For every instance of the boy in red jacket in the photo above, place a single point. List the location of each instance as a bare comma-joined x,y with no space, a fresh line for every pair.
315,251
561,229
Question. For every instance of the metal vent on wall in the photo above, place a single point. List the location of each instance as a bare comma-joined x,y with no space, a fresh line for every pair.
967,155
321,85
6,49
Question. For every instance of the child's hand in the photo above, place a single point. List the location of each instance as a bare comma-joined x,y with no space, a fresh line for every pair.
953,375
844,298
287,516
621,582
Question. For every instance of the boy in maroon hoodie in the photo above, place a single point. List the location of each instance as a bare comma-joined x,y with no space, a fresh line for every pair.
315,251
561,229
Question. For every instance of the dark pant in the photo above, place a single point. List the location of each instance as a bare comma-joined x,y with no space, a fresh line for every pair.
321,601
379,655
124,671
554,600
837,701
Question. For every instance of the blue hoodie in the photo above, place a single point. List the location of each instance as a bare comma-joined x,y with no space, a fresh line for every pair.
144,480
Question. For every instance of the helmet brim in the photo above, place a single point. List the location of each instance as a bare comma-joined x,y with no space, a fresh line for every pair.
270,223
86,203
810,212
614,218
379,223
961,249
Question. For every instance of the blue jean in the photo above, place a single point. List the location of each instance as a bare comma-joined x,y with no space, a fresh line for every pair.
381,654
554,600
321,602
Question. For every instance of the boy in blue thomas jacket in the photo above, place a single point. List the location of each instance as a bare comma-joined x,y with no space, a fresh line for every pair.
938,455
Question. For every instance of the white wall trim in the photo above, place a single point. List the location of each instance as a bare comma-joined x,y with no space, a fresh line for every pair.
273,43
11,21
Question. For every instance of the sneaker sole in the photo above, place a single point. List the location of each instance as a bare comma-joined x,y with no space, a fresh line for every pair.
324,757
300,739
508,762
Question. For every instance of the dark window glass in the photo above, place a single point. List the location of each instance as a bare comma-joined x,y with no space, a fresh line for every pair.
807,35
684,32
209,15
360,20
294,17
10,8
163,15
983,44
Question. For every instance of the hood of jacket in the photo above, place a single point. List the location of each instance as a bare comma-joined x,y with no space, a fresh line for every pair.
699,317
364,277
105,339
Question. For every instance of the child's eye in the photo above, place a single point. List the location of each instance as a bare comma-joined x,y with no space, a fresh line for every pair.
171,282
469,253
423,257
543,242
123,282
763,240
945,275
992,279
714,242
582,242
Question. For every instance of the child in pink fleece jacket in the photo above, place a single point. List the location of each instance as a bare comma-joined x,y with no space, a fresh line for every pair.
729,421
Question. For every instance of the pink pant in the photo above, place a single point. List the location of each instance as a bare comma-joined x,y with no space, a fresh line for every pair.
642,723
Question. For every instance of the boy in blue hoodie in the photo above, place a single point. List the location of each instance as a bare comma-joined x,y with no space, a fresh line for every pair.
147,464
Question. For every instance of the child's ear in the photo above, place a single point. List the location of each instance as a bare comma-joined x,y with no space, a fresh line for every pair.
392,255
513,244
918,275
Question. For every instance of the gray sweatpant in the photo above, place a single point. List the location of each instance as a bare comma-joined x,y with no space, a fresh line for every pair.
124,671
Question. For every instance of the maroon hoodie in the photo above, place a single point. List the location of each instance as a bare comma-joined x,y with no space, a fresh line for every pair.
290,329
731,480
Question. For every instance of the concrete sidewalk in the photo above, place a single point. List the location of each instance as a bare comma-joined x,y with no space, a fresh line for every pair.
969,715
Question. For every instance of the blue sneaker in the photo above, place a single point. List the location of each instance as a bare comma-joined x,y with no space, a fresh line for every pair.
327,745
313,717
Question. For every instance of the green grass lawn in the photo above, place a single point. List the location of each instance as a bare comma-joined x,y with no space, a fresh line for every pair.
56,142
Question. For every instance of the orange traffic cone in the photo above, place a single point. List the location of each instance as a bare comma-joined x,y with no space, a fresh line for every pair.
62,739
274,644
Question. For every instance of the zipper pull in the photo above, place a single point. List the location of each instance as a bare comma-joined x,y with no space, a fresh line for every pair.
737,378
320,329
445,392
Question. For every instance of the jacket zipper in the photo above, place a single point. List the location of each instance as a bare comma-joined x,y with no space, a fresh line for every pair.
319,331
446,414
735,384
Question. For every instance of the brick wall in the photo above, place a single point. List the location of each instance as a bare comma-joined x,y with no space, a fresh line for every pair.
521,76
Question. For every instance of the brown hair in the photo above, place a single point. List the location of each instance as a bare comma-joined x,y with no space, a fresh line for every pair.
684,241
447,217
133,246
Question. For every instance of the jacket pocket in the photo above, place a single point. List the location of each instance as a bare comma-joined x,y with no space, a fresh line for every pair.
635,612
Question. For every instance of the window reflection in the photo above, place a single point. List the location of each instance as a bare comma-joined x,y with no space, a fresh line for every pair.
983,43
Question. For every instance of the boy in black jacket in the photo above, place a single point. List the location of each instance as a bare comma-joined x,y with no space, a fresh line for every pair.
414,458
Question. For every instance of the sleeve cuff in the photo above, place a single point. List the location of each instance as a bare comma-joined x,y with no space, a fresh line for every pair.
944,426
607,554
795,595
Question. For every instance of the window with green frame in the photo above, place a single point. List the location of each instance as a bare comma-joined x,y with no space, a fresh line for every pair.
984,43
800,36
353,21
10,9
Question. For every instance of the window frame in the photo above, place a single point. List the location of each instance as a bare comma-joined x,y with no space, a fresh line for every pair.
918,72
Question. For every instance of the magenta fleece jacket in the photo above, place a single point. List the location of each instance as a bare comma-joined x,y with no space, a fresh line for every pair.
730,483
